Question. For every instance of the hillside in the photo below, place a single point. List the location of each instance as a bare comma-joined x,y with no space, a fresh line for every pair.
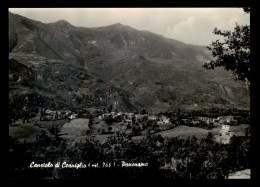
63,66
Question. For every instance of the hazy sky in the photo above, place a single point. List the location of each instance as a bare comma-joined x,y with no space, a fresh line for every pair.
189,25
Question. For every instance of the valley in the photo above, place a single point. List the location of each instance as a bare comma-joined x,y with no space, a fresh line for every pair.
116,94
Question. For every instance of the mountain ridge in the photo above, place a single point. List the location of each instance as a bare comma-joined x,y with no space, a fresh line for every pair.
119,67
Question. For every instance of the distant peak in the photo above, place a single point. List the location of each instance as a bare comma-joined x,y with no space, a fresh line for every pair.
118,24
121,27
62,22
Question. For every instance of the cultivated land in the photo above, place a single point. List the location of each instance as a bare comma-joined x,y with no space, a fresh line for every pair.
185,131
75,127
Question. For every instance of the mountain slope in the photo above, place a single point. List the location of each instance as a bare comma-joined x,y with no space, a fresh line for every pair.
118,66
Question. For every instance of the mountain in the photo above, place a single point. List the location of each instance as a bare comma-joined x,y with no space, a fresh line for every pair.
114,66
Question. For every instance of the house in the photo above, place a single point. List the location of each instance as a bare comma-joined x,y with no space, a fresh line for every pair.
209,120
165,119
72,116
226,119
139,116
225,128
221,118
206,119
195,121
105,115
59,116
160,123
48,112
128,120
231,119
152,118
129,115
222,121
67,113
215,121
202,118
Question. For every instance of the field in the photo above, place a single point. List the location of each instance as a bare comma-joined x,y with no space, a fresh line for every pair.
30,131
185,131
74,128
239,129
58,124
24,132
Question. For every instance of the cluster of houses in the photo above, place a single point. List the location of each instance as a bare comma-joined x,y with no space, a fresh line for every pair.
219,120
128,117
49,115
223,137
215,121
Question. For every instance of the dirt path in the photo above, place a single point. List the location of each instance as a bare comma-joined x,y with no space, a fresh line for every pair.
244,174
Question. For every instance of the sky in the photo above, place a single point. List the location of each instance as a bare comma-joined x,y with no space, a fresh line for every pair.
189,25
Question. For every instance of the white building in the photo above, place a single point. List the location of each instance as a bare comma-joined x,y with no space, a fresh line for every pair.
224,134
165,119
152,117
73,116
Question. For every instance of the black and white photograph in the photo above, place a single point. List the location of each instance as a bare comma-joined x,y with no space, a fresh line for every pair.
107,94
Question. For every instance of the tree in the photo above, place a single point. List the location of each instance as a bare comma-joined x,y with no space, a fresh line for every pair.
209,138
110,108
109,129
135,131
144,112
234,53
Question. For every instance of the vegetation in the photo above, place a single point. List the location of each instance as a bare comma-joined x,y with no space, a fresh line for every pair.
234,53
168,158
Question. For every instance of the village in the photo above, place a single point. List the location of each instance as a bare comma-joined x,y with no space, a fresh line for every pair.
161,119
49,115
161,122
